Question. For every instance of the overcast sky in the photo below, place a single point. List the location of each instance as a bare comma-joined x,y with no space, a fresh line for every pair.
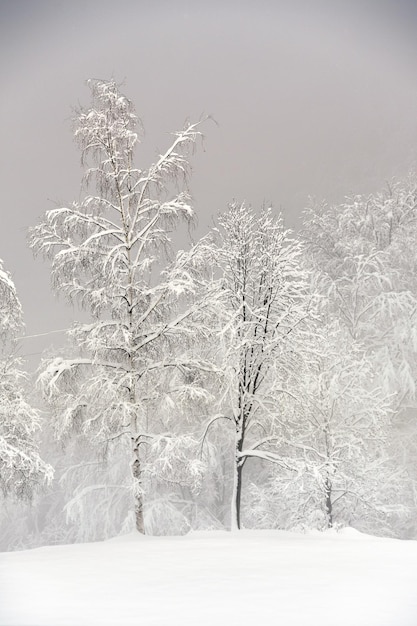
311,98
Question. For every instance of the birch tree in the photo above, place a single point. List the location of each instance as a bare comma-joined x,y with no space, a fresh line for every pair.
21,467
267,303
111,253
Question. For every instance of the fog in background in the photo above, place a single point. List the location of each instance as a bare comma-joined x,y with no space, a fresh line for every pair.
311,98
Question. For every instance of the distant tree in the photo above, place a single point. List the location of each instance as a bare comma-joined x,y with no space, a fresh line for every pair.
111,253
262,275
347,419
337,438
21,468
364,251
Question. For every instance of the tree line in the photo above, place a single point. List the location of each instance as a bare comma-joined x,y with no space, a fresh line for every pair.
255,379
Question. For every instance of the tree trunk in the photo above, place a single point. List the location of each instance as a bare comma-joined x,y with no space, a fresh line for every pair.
137,486
237,482
236,496
329,505
239,469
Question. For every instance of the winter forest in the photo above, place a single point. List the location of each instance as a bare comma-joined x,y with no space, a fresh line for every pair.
256,379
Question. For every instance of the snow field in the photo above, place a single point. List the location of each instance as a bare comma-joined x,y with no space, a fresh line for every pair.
206,578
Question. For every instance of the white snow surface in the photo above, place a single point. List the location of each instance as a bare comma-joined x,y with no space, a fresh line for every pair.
207,578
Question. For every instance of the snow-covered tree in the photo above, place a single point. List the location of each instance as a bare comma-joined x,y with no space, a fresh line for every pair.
21,468
267,302
111,253
364,253
338,440
347,417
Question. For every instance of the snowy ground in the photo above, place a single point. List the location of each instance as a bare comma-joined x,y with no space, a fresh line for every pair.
251,577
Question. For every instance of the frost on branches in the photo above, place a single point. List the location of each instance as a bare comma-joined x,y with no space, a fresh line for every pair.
111,254
364,252
21,468
343,434
267,305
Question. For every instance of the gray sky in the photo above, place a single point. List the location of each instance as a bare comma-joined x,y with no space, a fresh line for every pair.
311,97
